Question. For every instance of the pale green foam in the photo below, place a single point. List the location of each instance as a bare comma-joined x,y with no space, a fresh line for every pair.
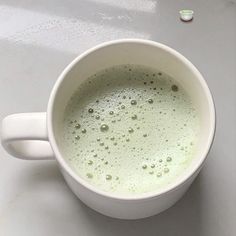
130,129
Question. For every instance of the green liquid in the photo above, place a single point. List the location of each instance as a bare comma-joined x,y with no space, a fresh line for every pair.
130,129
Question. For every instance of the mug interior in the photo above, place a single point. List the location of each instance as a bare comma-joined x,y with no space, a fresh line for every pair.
138,52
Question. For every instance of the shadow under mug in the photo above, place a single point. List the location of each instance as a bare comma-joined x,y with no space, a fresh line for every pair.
36,136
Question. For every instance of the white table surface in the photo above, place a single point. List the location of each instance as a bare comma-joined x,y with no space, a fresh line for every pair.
39,38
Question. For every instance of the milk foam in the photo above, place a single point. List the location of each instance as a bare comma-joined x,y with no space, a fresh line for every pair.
130,129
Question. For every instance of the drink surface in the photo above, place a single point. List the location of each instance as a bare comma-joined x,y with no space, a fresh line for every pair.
130,129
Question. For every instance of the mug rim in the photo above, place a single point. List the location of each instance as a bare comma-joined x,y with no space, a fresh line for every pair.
139,196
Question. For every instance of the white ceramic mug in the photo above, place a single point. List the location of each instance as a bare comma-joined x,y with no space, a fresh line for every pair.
35,136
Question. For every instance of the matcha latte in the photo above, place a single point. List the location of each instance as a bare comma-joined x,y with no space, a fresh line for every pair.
130,129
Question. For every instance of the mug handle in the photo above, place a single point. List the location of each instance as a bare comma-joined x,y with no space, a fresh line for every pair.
24,136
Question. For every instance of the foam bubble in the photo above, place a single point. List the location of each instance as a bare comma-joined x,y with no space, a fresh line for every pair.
77,126
104,127
90,110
